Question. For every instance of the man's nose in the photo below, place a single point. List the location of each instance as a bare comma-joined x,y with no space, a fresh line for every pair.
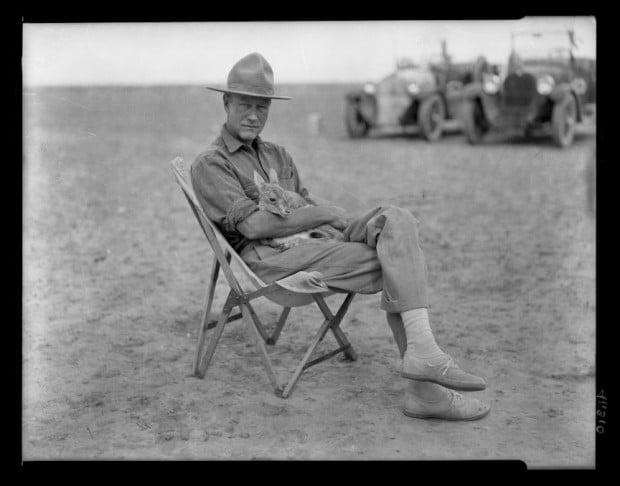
252,114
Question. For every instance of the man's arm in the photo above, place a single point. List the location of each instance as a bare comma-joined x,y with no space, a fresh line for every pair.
263,224
312,199
342,215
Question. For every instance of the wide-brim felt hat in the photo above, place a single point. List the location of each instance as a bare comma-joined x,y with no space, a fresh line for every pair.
252,76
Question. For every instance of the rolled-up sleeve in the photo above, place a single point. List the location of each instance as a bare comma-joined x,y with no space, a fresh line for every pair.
220,193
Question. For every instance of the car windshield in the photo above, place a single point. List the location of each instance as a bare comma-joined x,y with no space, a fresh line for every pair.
406,63
542,45
411,73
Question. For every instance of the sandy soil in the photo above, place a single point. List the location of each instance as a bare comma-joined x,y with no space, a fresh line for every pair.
115,269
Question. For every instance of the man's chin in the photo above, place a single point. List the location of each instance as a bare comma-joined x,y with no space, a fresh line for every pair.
248,135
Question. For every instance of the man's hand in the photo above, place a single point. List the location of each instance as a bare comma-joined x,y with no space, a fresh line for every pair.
340,217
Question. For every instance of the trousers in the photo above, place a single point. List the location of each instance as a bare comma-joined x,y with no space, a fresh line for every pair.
381,252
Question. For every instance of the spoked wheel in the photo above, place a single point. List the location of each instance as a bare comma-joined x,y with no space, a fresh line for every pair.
564,121
431,116
357,127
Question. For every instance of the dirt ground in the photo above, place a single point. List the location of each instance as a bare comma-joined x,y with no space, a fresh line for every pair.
115,272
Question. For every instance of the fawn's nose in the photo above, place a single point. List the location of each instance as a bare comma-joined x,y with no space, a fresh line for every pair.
286,212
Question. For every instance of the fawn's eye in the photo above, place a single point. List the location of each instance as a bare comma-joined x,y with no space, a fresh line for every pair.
272,199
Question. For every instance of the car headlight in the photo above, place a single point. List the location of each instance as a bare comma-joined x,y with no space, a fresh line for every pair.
413,88
579,85
545,84
370,88
491,84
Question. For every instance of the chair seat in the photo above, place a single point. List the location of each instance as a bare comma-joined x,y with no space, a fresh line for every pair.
296,290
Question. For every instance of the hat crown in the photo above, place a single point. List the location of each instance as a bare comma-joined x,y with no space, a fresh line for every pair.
252,74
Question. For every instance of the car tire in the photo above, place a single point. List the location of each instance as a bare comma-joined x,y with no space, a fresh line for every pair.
431,115
474,123
357,127
563,121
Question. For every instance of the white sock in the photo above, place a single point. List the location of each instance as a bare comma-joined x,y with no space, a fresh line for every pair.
420,340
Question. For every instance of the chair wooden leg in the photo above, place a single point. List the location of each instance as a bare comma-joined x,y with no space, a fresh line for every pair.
217,333
335,323
273,339
245,311
339,334
215,269
341,337
302,365
259,325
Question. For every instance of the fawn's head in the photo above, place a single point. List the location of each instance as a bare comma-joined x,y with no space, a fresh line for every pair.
271,197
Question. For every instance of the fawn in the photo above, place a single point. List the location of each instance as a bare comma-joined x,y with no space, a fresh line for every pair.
277,200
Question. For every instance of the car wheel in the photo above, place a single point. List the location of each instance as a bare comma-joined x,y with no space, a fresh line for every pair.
474,123
431,116
564,121
356,126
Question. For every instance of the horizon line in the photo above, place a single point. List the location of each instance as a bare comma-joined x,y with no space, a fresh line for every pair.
164,84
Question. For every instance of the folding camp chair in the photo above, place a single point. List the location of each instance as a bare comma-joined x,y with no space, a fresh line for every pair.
297,290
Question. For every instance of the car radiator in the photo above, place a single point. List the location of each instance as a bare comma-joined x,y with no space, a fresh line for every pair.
519,90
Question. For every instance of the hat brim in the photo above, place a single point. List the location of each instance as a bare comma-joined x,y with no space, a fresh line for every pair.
248,93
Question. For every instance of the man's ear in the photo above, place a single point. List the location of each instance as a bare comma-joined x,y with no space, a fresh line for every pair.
258,180
273,175
226,100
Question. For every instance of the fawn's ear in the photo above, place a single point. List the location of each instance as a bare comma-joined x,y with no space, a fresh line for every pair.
258,180
273,175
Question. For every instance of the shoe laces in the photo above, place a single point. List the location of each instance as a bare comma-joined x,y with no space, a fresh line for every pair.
457,398
444,367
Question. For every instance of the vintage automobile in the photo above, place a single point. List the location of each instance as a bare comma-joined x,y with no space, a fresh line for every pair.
543,87
411,96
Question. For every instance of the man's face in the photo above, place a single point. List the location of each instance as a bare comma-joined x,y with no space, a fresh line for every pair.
247,115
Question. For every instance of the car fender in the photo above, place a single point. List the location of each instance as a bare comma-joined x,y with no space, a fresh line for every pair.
423,95
366,104
356,96
448,104
489,102
472,90
559,92
563,90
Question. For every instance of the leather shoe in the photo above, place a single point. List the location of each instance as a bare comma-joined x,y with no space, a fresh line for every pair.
454,407
447,373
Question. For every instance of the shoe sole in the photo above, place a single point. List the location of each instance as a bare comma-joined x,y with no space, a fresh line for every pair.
438,416
447,384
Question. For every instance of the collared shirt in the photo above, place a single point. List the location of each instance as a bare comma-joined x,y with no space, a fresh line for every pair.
223,180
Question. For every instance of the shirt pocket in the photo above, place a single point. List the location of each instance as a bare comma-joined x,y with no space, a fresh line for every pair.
287,178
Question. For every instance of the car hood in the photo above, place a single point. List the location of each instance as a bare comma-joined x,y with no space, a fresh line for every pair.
399,80
559,70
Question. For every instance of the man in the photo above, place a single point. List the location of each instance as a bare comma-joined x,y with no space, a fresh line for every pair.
380,251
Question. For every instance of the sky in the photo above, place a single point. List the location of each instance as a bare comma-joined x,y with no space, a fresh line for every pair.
78,54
